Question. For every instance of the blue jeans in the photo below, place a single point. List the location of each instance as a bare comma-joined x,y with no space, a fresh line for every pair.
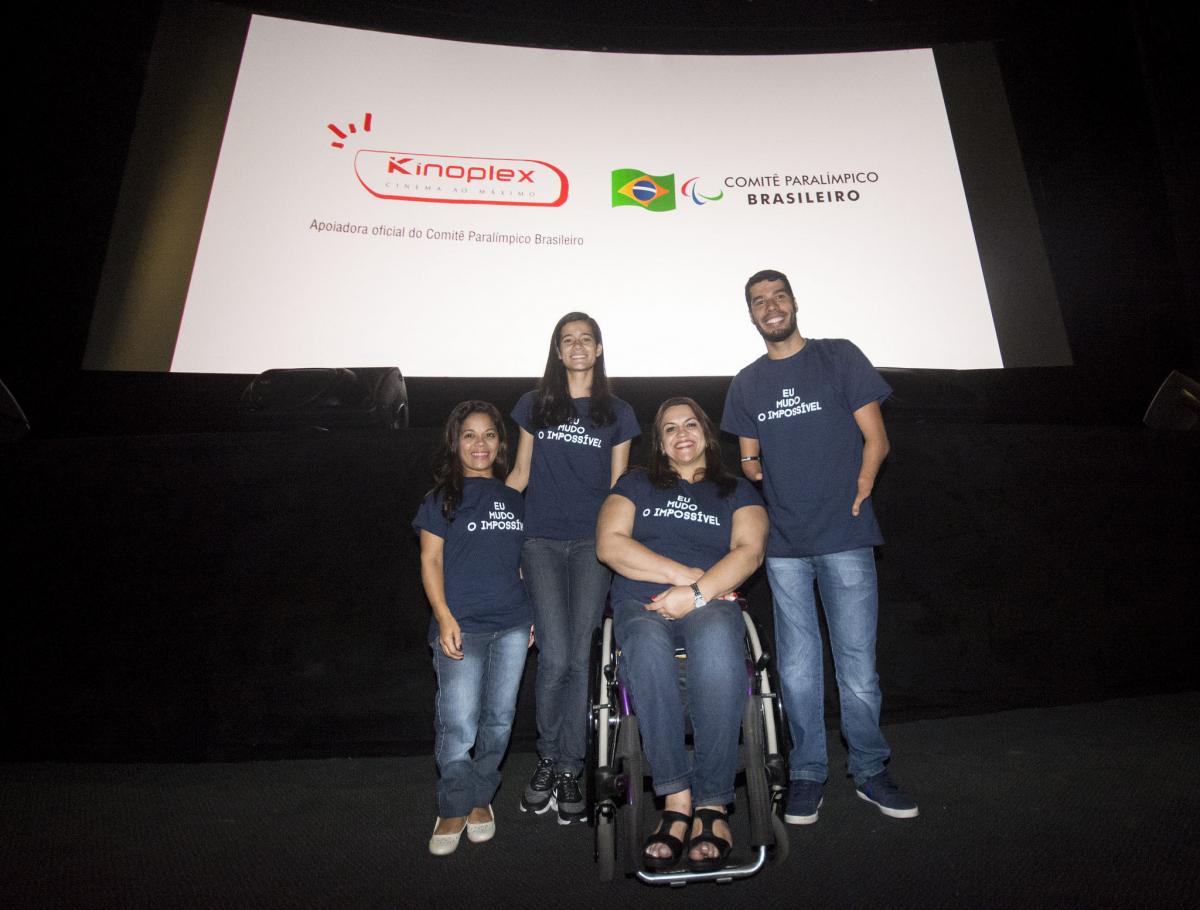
476,702
568,587
849,595
717,687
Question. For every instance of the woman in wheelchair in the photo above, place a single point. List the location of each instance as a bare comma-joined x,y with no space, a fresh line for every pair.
680,534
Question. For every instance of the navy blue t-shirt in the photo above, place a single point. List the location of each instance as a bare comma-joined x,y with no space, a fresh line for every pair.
481,556
801,411
571,471
688,523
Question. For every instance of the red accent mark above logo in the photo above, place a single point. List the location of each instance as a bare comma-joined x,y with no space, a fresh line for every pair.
350,128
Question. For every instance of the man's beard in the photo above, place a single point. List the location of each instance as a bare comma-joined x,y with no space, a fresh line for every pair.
783,333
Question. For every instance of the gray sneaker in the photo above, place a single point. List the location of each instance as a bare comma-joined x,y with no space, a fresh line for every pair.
804,799
539,792
569,799
884,793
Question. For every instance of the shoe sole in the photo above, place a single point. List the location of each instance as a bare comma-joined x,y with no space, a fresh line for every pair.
538,809
886,810
568,818
803,819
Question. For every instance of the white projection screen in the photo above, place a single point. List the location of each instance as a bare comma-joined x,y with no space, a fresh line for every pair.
438,205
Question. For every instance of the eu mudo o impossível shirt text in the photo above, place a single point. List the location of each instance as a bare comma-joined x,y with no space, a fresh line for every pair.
481,556
688,523
801,410
571,469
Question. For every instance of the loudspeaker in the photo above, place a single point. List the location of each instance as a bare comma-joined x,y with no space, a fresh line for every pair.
13,422
1176,405
325,399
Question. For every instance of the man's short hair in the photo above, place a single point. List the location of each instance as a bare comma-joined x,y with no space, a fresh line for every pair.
768,275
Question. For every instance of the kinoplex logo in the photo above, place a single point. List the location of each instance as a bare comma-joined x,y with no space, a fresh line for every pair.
460,179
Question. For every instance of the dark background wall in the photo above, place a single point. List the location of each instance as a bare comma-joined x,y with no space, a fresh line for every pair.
180,588
224,595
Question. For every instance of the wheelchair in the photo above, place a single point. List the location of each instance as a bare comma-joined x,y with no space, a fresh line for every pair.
621,807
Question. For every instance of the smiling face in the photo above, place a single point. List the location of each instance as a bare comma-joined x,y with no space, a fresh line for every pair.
478,445
772,310
578,348
681,436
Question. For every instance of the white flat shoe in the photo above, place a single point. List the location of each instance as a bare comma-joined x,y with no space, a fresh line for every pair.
444,844
478,832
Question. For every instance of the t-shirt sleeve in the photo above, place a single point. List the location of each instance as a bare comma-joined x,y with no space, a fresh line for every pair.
859,381
429,517
630,484
627,425
736,418
745,495
522,414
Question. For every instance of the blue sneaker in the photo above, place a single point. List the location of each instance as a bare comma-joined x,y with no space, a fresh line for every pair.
891,800
804,799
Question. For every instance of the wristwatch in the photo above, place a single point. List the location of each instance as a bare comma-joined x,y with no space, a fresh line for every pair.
700,601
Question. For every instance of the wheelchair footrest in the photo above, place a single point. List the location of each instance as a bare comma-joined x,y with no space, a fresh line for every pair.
681,877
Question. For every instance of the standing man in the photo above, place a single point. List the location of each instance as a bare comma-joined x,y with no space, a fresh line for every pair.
810,428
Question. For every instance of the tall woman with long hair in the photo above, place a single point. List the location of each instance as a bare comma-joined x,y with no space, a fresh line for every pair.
471,528
575,439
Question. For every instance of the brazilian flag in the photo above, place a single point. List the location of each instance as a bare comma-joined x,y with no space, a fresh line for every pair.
633,187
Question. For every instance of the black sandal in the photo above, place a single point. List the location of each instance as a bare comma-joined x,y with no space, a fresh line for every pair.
706,836
664,837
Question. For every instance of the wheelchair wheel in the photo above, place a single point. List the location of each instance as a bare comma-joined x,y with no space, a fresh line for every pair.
766,773
631,770
780,852
597,718
600,760
606,843
758,790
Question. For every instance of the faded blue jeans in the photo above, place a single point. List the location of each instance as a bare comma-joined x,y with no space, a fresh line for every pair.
476,703
849,595
568,587
717,688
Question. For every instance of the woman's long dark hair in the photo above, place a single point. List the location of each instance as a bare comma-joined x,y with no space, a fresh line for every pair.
447,466
658,466
553,405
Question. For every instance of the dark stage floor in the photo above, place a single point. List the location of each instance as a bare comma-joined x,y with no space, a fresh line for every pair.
1092,805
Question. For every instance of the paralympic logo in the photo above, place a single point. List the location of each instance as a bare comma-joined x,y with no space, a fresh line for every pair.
691,191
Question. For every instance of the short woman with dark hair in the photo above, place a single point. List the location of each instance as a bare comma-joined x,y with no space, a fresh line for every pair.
575,439
680,535
472,529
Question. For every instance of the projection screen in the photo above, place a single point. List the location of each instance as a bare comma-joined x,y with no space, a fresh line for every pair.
387,199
